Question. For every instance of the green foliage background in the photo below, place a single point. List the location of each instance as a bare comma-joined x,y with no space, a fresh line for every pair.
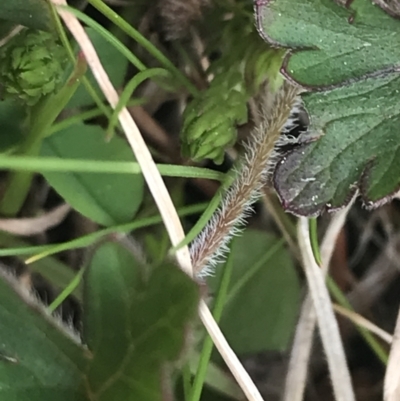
140,338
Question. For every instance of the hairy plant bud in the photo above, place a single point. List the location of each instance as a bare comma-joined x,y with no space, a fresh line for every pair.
210,120
31,66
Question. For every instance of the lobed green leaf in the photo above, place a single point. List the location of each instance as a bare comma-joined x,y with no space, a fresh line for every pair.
350,58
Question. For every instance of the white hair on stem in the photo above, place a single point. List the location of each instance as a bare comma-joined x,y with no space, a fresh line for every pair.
260,156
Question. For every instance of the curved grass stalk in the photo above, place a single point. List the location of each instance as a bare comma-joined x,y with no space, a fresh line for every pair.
327,324
85,81
109,37
146,44
43,251
301,350
205,355
128,92
375,346
160,195
392,376
365,323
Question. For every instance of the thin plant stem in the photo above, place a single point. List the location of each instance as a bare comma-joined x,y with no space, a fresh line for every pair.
89,239
263,261
282,220
186,381
55,271
127,94
54,164
42,116
238,371
84,115
368,337
109,38
67,291
146,44
296,376
208,343
305,327
304,334
391,389
362,321
327,324
341,298
67,45
160,195
314,240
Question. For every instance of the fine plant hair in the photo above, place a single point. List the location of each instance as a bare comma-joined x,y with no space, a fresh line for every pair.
259,157
36,305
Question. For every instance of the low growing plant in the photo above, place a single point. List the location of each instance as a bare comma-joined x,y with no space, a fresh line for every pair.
247,76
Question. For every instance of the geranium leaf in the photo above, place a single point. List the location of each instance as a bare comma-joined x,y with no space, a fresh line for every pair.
350,58
359,148
333,44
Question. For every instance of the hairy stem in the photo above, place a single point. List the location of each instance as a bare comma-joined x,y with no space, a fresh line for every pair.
211,244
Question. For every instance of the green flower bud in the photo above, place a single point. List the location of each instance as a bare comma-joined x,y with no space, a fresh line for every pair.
32,65
210,120
262,63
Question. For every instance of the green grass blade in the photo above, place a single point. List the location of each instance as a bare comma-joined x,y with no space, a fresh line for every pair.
67,291
128,92
53,164
146,44
208,343
89,239
108,36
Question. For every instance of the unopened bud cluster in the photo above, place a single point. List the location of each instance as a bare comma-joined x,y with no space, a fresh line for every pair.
31,66
210,120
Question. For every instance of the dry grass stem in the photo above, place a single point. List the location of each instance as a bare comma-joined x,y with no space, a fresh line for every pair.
302,344
332,233
240,374
363,322
296,376
35,225
392,376
327,324
15,31
159,192
378,277
149,169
